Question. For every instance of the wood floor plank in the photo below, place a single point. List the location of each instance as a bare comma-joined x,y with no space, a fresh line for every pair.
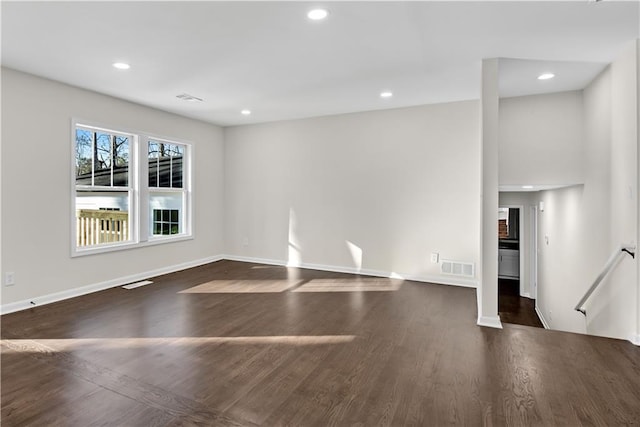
162,399
318,349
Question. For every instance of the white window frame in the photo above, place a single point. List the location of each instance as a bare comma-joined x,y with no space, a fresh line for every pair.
185,216
138,191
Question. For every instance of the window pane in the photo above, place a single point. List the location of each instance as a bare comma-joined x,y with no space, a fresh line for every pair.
84,144
102,160
121,161
164,207
101,217
153,164
164,165
176,166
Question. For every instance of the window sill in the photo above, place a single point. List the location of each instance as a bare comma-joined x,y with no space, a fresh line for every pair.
75,252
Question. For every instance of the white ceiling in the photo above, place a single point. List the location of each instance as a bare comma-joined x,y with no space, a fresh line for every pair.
268,57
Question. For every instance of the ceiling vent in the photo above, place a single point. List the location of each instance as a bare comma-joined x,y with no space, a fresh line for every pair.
190,98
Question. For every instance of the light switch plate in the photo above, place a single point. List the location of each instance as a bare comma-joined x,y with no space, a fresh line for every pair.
9,278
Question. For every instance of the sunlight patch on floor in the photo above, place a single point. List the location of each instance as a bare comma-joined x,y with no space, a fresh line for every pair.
72,344
350,285
242,287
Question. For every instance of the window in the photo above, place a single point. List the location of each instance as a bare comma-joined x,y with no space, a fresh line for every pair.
167,195
165,221
102,187
113,203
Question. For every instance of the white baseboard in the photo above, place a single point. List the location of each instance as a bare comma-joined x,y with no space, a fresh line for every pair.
634,339
440,280
527,295
83,290
542,319
490,322
254,260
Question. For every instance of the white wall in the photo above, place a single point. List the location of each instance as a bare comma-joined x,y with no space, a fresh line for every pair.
585,223
36,188
395,185
636,339
541,142
613,309
564,248
541,139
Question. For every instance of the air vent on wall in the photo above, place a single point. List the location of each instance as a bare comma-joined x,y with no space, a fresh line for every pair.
190,98
457,268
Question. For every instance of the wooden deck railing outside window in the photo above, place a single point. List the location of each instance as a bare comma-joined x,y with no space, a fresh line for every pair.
101,226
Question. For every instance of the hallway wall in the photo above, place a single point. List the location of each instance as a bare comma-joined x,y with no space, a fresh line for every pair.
582,225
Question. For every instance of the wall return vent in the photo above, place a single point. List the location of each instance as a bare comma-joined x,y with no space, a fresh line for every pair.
457,268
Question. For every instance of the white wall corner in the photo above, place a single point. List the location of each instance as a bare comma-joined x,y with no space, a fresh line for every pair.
490,322
542,319
84,290
634,339
438,280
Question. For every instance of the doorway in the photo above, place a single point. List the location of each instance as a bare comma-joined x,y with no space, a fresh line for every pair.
509,219
515,303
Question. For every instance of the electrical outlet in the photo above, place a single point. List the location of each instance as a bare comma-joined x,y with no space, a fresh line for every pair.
245,241
435,257
9,278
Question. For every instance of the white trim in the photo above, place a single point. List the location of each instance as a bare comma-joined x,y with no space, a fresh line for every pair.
83,290
533,252
104,248
132,190
527,295
634,339
138,190
137,284
254,260
186,191
467,283
490,322
542,319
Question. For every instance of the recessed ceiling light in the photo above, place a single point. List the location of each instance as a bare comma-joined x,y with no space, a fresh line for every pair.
245,112
121,65
546,76
527,187
386,94
190,98
317,14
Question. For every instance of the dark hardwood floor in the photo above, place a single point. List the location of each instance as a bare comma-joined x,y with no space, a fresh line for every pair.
513,308
205,347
